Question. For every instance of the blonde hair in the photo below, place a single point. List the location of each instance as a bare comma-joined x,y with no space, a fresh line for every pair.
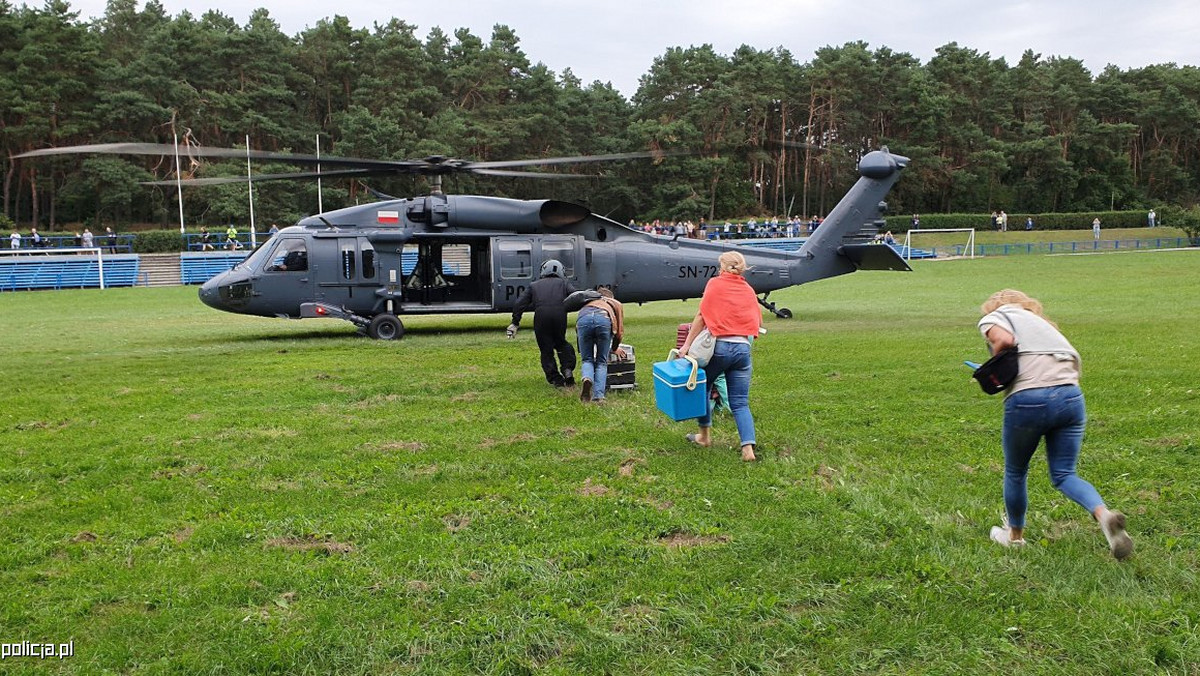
1013,297
604,291
732,261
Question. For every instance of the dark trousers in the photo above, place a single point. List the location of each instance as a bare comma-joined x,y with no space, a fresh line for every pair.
550,329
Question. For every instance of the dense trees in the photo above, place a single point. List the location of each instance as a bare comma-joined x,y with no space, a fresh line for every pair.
756,131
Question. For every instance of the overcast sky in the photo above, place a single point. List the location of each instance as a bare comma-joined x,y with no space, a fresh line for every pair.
617,41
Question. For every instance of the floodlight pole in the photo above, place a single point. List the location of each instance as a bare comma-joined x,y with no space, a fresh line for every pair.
250,191
178,184
320,207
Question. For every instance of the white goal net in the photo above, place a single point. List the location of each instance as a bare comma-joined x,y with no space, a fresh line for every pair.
956,247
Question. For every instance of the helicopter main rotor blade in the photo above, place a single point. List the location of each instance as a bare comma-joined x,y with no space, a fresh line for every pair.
434,165
164,149
530,174
255,178
576,159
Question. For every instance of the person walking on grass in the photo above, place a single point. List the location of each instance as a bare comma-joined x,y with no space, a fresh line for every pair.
1044,401
729,309
545,297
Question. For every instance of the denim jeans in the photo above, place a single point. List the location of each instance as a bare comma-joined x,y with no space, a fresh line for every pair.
1058,414
594,330
732,360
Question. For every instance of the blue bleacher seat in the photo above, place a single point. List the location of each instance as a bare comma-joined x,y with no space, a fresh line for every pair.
67,271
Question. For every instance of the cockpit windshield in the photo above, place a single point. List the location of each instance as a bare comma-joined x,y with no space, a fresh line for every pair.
256,257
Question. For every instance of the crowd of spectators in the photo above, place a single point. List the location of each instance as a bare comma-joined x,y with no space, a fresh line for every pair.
796,226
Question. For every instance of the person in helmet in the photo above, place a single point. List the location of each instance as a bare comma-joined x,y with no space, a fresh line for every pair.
546,297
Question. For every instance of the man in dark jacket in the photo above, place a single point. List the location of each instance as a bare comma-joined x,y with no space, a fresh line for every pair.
546,297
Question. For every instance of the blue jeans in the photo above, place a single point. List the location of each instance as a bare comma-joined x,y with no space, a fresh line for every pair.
732,360
1058,414
594,330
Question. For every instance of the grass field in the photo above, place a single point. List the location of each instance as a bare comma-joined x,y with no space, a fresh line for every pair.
186,491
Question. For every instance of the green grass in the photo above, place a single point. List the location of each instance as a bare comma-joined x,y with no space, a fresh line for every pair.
186,491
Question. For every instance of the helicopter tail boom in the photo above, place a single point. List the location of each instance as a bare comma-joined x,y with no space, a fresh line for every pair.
825,253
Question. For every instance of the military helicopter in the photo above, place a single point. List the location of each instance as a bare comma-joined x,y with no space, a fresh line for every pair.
373,263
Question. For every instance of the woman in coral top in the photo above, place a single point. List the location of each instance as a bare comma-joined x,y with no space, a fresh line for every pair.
729,308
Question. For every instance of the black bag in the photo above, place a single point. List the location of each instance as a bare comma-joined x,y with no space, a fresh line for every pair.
997,373
576,301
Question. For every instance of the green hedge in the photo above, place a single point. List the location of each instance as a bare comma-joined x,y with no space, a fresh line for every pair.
1079,221
158,241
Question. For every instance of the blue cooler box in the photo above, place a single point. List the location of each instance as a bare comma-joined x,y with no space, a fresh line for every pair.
671,392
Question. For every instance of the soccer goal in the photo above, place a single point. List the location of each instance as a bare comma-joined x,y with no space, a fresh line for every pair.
970,245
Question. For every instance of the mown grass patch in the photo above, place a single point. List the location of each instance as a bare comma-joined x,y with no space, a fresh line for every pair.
193,492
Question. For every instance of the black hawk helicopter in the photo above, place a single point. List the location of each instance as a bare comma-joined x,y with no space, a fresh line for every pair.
370,264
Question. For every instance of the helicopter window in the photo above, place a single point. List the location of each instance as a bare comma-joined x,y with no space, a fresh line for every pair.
516,260
348,259
456,260
563,252
368,260
290,255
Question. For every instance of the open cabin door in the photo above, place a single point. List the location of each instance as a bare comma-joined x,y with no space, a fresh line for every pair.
446,274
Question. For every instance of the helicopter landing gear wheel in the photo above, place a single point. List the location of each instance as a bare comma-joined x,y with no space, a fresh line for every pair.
782,313
385,327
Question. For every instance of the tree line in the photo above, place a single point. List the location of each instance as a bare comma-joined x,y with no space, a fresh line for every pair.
753,132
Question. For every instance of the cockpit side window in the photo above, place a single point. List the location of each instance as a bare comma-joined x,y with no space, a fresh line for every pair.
290,255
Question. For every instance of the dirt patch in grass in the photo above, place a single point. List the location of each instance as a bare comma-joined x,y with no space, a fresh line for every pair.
627,467
311,543
1168,442
660,505
85,536
183,534
592,489
409,446
827,476
684,539
190,470
456,522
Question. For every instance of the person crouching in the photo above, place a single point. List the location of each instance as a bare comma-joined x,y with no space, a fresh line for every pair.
599,327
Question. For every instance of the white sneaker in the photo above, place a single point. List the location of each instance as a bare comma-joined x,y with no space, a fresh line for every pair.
1119,542
999,535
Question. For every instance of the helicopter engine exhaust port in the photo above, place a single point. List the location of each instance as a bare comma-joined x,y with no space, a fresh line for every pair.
522,216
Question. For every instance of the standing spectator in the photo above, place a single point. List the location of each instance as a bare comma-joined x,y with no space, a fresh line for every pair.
1003,219
729,309
1150,218
78,240
1043,401
35,238
231,240
1096,228
110,238
916,221
273,231
88,240
546,297
995,221
14,240
599,327
205,239
1029,222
